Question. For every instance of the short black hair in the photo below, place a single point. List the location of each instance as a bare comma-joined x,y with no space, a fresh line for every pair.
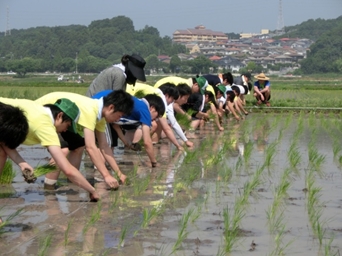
56,110
230,96
183,89
229,77
236,89
13,125
121,100
156,102
211,97
170,89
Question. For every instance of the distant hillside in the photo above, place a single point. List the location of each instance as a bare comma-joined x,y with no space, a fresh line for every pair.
96,46
312,29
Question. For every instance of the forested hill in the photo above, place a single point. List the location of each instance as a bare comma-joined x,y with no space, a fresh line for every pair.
312,29
103,42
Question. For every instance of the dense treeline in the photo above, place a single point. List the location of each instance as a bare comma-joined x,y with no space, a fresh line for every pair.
87,48
325,55
312,29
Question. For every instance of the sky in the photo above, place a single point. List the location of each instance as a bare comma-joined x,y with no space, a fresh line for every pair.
238,16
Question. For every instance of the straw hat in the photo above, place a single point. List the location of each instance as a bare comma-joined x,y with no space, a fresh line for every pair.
262,77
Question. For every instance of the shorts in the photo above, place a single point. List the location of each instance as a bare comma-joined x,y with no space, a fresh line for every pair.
111,136
128,127
71,140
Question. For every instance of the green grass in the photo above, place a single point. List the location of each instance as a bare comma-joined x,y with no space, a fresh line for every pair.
43,170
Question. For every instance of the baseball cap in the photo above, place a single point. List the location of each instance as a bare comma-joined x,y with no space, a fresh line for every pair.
71,110
202,83
223,89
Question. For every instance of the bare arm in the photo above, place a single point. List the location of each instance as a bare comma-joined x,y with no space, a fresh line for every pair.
16,157
148,142
97,159
230,106
121,136
217,121
169,133
108,155
70,171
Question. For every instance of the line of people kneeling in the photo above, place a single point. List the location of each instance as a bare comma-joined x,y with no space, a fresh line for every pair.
57,119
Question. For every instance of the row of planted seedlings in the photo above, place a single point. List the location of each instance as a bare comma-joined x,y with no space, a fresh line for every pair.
276,211
204,167
314,205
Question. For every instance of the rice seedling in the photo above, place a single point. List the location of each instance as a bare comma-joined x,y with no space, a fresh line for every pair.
9,219
149,215
183,119
196,214
225,173
182,232
270,154
8,173
43,170
248,152
328,250
44,245
141,185
336,147
66,233
231,226
113,199
94,217
122,236
315,159
293,155
279,238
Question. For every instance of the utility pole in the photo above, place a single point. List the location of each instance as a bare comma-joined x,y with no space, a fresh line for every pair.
76,62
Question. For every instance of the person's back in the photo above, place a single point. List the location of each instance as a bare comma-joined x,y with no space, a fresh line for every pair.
213,80
89,108
112,78
173,80
41,129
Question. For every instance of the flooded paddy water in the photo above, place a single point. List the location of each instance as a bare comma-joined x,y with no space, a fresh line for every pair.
269,185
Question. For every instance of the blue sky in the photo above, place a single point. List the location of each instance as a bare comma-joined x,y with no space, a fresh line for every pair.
167,16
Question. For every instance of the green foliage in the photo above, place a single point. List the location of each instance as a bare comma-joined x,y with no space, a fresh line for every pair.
98,45
325,54
7,174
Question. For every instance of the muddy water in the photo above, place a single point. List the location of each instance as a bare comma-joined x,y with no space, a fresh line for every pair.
206,182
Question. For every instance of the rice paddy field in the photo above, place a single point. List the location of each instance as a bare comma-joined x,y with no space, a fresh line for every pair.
270,184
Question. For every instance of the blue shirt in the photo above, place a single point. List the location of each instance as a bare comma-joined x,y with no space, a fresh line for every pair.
140,113
262,86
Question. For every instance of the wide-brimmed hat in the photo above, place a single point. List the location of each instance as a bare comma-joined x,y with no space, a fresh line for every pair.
202,83
262,77
71,110
136,65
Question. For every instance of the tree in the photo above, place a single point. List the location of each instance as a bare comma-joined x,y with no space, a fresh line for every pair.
175,64
152,63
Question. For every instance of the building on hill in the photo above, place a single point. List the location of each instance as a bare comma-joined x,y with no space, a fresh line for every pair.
198,34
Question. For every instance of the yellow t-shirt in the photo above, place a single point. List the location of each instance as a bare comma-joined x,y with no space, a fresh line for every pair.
90,109
141,89
41,124
173,80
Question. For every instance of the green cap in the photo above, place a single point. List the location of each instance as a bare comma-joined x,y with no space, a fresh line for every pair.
202,83
71,110
223,89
